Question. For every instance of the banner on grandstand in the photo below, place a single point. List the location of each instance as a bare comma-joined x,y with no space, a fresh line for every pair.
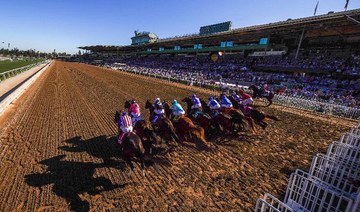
268,53
210,29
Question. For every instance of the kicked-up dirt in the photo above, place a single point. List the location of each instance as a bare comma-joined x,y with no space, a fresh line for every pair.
58,150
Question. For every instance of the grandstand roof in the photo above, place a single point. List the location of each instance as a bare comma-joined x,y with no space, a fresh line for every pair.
337,23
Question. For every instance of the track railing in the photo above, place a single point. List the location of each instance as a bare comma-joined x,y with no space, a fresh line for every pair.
11,73
331,184
284,100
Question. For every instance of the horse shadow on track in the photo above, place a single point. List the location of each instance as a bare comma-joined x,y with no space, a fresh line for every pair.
102,147
72,178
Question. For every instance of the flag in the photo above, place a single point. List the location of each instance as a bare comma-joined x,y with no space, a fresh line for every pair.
346,4
317,4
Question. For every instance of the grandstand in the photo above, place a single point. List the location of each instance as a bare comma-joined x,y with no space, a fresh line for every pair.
313,58
337,33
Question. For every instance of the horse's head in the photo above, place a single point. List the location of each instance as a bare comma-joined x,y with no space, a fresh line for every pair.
186,99
116,117
205,107
127,104
188,102
148,105
166,108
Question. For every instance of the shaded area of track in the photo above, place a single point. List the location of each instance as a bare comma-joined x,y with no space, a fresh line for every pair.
59,152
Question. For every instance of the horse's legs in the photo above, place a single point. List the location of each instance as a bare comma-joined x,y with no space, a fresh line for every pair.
128,161
142,161
263,124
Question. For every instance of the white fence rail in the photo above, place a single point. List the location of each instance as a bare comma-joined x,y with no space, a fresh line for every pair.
285,100
20,90
271,204
336,173
318,106
305,194
11,73
332,183
350,139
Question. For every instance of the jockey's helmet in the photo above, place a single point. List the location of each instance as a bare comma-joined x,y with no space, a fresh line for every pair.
133,101
211,98
241,91
123,113
157,99
174,102
234,93
193,95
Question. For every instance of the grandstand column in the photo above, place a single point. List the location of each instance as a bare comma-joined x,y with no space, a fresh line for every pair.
299,45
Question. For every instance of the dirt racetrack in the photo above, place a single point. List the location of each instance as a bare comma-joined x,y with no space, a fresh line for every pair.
58,152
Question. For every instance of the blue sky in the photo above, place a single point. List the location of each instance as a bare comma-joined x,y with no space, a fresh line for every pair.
64,25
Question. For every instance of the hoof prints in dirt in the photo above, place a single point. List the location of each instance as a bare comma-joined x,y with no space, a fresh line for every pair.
70,161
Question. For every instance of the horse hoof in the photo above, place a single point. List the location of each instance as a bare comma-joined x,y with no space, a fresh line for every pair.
151,151
129,174
143,173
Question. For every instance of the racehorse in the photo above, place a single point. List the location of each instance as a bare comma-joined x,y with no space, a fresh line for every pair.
201,118
184,126
133,147
257,116
146,135
260,93
163,126
143,130
223,120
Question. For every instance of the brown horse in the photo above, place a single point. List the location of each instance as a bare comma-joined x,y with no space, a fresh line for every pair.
202,119
256,115
133,147
184,126
222,120
143,130
162,126
260,93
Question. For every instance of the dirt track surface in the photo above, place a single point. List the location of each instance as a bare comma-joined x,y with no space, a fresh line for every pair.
58,152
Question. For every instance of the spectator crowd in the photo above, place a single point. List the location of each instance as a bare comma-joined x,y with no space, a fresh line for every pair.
338,82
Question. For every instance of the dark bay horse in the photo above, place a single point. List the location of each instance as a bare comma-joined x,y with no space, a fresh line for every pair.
163,126
143,129
133,147
222,120
260,93
203,119
258,116
184,126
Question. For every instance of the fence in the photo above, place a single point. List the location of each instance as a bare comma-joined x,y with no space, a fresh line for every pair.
332,183
14,72
285,100
20,90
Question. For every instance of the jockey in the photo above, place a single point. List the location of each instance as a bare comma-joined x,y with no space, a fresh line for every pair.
134,110
177,110
214,105
159,109
236,97
125,124
266,91
246,98
196,105
225,103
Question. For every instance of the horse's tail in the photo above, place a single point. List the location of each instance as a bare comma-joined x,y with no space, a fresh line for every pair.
272,117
